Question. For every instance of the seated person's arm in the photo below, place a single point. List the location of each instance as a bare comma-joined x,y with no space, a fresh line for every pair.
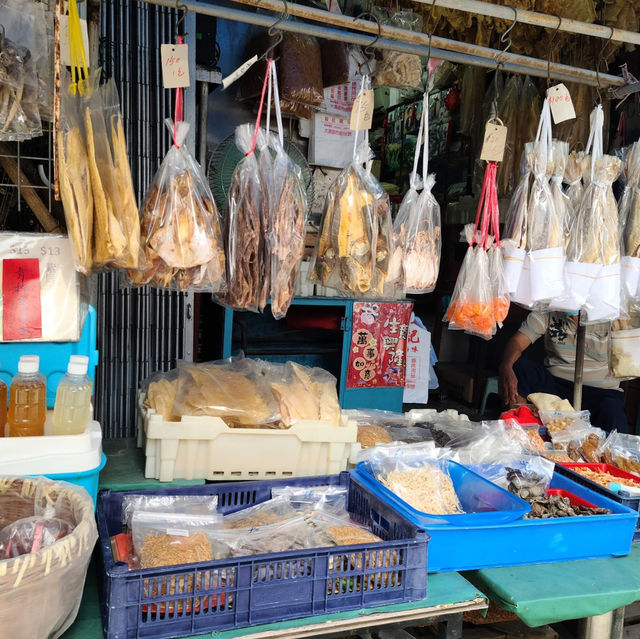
507,381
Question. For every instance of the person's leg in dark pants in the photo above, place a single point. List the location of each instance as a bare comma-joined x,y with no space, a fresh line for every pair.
606,407
534,378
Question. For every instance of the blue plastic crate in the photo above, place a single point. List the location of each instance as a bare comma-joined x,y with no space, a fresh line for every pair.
482,501
87,479
630,502
176,601
54,356
527,541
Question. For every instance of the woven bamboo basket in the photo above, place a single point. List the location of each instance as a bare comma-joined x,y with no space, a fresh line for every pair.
40,592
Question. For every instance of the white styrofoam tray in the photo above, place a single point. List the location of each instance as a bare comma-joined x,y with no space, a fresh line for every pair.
52,454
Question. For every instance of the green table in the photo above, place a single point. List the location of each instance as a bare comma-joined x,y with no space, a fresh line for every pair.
449,595
548,593
125,468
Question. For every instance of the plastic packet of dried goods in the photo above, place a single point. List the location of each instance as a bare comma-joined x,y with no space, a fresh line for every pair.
328,529
287,224
162,539
177,504
471,308
128,214
556,420
624,358
301,69
508,105
303,393
499,295
629,225
180,227
282,536
110,244
159,390
575,188
267,195
331,499
244,227
272,511
75,183
528,113
558,165
524,475
232,390
423,484
31,534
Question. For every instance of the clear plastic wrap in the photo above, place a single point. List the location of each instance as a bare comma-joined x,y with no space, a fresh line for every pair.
245,241
348,255
301,69
575,189
266,181
164,539
332,499
562,204
180,504
23,47
272,511
75,183
180,226
629,224
287,224
525,475
328,529
557,420
31,534
625,353
234,391
508,108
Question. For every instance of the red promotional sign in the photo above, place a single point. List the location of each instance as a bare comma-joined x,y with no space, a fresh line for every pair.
21,313
378,344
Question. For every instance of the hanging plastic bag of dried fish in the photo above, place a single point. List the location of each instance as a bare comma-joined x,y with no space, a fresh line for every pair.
287,220
417,225
22,48
355,242
180,225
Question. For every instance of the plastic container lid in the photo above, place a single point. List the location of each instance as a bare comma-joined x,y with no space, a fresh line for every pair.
28,364
78,365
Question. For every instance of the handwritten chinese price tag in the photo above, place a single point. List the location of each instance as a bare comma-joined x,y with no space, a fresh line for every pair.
560,103
495,138
239,72
21,314
362,111
175,65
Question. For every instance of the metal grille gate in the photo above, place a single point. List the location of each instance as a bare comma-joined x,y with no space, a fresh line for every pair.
139,330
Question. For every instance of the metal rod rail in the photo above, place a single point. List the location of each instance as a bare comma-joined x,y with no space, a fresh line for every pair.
545,20
404,40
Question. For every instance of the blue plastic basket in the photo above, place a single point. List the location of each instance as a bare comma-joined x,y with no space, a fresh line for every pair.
528,541
54,356
88,479
190,599
482,501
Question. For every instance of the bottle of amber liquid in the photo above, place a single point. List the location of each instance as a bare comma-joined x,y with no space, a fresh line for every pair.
27,399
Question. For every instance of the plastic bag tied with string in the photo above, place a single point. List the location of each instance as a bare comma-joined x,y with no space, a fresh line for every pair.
629,225
417,225
477,297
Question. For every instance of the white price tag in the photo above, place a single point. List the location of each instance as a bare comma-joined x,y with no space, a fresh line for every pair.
560,103
362,111
65,54
239,72
495,139
175,65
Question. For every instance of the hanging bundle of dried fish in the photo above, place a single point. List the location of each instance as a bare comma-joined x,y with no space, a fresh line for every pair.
287,231
508,108
557,168
268,196
345,255
575,189
244,227
75,183
180,226
629,206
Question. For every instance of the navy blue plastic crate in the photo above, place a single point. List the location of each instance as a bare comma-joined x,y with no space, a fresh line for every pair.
482,501
629,502
54,356
176,601
528,541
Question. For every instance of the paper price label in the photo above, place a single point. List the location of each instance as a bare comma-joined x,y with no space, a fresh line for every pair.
362,111
495,139
560,103
175,65
239,72
65,54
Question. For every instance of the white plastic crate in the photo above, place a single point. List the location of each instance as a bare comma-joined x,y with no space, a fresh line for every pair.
52,454
206,448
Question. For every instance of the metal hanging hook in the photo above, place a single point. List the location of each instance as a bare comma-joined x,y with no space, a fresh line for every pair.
553,37
599,62
368,50
504,38
273,31
180,7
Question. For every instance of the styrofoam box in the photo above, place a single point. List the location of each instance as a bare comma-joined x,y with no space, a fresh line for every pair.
52,454
206,448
